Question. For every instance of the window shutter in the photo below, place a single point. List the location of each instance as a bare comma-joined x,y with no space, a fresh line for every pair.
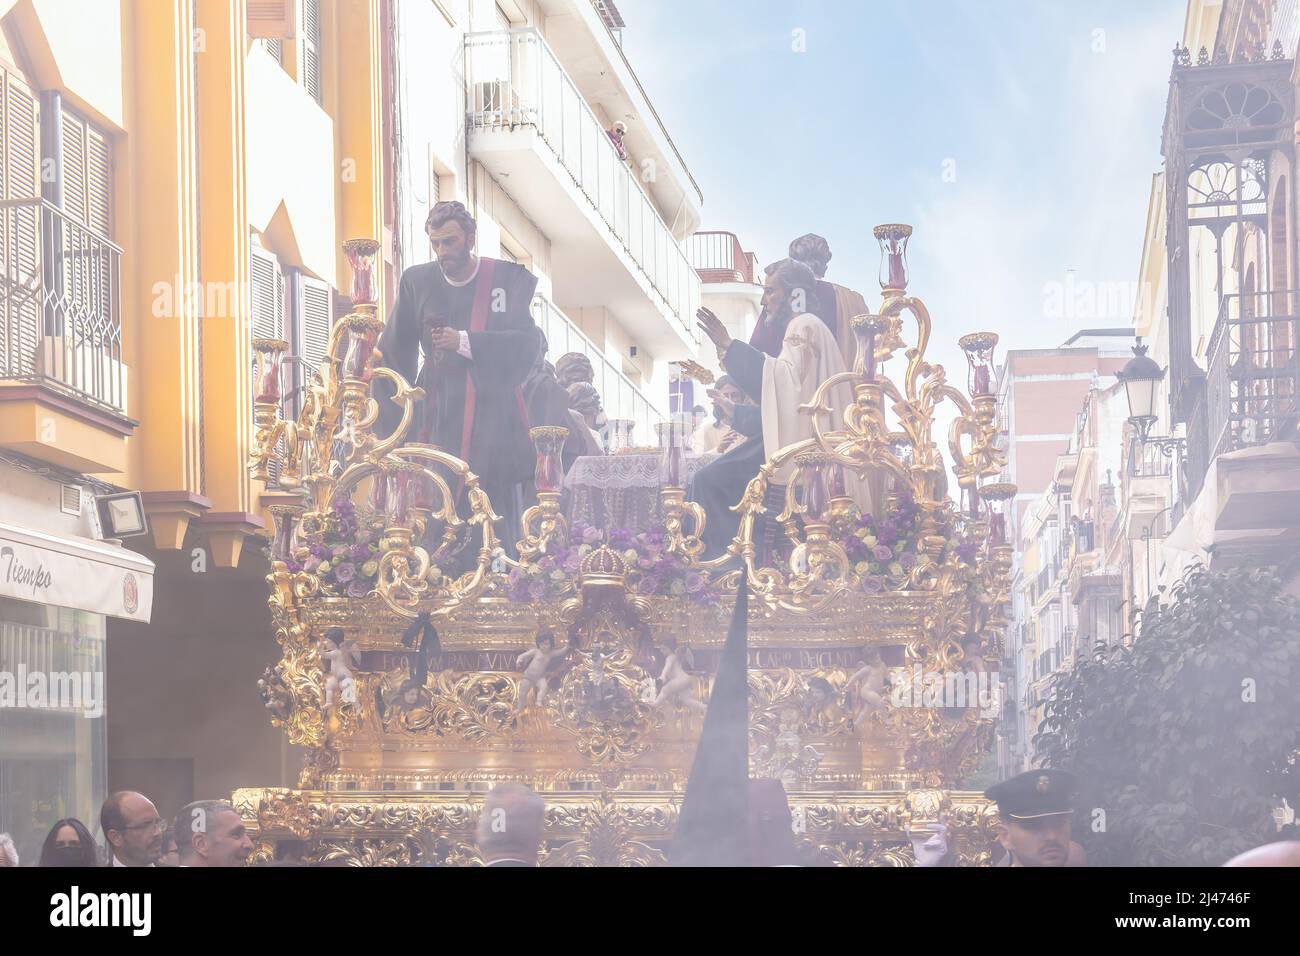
74,166
314,324
275,47
309,48
271,19
20,139
266,286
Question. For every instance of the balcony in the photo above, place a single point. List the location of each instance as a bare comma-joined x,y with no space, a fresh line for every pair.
531,128
60,304
1252,369
619,396
719,258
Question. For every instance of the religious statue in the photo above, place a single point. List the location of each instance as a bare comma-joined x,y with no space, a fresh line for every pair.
780,381
547,402
869,683
585,409
836,305
678,682
535,662
470,318
720,435
341,655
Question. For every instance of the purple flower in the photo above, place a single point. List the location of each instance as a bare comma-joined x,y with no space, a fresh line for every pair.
345,572
572,562
882,552
620,539
650,584
293,566
360,552
873,584
590,535
694,582
537,589
908,560
358,588
966,551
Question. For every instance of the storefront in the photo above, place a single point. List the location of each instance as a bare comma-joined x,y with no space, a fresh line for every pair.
57,591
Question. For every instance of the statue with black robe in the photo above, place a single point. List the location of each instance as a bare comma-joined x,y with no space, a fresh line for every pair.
463,331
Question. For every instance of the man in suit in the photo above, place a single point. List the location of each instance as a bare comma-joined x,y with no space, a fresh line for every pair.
132,828
510,826
211,833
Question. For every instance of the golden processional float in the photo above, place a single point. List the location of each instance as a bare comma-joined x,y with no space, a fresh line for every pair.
397,766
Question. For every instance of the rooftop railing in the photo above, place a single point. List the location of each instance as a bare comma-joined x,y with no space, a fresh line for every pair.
718,257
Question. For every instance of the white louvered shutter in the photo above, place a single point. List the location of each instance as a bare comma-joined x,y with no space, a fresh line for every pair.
272,19
309,53
266,283
314,324
20,274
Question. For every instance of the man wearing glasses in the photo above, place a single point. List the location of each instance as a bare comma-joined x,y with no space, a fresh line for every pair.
132,828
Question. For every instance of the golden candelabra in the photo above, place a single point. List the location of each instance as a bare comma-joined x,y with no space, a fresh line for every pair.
874,569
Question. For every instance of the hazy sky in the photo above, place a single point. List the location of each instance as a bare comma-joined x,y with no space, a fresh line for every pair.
1019,137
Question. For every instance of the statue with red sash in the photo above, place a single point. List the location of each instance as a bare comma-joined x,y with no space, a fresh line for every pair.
471,319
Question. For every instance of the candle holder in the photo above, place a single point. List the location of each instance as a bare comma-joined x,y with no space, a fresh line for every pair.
999,495
361,255
543,523
979,348
268,355
868,332
620,434
359,333
817,557
671,435
893,239
284,541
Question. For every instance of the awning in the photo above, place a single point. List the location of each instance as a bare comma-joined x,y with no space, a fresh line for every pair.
74,572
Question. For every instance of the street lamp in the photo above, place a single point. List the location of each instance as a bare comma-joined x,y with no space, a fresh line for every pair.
1141,378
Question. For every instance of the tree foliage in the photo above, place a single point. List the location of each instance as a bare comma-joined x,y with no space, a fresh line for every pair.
1185,734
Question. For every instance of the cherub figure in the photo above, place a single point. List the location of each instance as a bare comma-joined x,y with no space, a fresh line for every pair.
535,662
342,656
678,680
411,695
869,682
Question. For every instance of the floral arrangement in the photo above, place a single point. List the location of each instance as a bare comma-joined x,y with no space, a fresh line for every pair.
347,561
884,553
651,570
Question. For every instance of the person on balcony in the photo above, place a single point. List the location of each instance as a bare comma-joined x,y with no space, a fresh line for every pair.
470,317
836,305
616,134
779,383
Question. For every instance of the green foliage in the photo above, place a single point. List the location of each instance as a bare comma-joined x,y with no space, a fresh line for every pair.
1185,735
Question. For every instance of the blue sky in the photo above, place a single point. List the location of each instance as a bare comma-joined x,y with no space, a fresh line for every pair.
1019,137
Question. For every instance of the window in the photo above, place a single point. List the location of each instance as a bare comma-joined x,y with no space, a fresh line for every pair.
20,163
312,321
87,174
309,48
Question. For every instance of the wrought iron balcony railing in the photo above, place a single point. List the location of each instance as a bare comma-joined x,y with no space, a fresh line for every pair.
718,257
515,80
60,304
619,396
1252,370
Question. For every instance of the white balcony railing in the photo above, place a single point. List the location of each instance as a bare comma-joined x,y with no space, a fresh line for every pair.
49,651
514,80
619,397
60,304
